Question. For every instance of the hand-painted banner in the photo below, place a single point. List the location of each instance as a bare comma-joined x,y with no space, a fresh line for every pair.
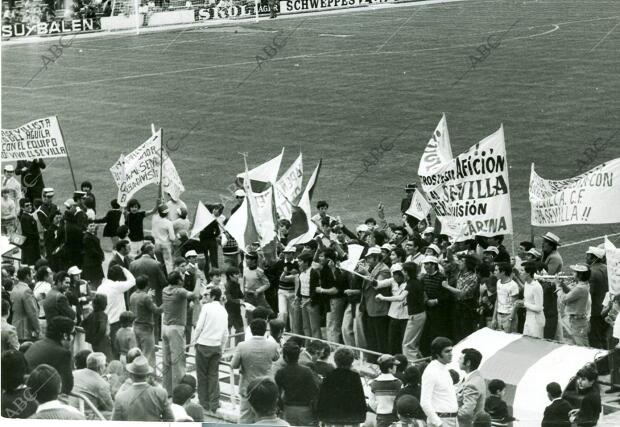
141,168
584,199
473,190
613,266
438,151
38,139
288,187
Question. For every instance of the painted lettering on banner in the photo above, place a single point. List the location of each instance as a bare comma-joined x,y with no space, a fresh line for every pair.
292,6
39,139
48,28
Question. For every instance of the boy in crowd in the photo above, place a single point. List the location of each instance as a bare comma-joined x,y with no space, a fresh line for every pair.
495,405
125,337
384,389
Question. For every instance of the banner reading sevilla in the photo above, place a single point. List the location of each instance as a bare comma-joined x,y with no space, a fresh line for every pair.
473,190
39,139
584,199
141,168
613,266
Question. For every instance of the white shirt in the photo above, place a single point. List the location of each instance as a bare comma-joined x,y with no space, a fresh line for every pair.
56,404
115,291
173,207
505,294
180,414
162,230
438,393
616,330
212,325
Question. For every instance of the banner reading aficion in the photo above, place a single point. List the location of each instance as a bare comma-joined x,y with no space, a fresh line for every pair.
39,139
473,189
584,199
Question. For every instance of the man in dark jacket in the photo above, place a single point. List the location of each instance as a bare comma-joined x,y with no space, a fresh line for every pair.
595,257
54,350
73,237
31,250
32,177
55,302
93,256
209,239
556,414
48,209
590,409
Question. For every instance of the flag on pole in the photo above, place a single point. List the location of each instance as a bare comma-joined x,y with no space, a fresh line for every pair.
263,175
241,225
302,228
419,207
202,218
438,150
613,266
354,255
288,187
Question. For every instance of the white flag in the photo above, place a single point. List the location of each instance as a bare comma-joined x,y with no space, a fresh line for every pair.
419,207
613,266
355,253
267,172
202,218
288,187
438,150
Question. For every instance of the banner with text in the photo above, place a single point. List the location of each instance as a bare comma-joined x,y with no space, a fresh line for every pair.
295,6
613,266
438,151
472,190
141,168
231,9
584,199
39,139
21,29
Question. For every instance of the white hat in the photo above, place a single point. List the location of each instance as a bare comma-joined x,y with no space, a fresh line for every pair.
430,258
429,230
551,237
69,203
49,191
435,248
239,193
74,270
290,250
375,250
396,267
387,247
9,168
492,249
582,268
191,253
362,228
534,252
597,252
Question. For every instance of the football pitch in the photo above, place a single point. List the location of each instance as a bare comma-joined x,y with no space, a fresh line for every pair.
338,87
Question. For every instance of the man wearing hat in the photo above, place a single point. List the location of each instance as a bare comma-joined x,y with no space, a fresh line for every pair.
376,320
438,303
599,285
32,177
48,209
163,232
31,250
577,306
406,202
12,184
141,401
551,256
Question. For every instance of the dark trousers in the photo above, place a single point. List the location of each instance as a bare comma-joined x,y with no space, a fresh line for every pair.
396,334
598,331
376,331
465,320
209,248
551,326
114,327
207,375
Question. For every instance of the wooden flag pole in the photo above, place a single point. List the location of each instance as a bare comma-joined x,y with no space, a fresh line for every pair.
68,156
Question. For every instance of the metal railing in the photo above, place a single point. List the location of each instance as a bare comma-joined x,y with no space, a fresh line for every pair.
85,401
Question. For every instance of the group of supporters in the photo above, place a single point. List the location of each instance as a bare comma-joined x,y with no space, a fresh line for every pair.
413,293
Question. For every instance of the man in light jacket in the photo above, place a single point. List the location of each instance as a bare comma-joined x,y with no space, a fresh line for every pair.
471,394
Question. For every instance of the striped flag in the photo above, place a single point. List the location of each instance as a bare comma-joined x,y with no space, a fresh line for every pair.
302,228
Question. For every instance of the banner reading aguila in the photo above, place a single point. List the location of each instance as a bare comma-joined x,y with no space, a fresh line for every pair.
473,190
584,199
38,139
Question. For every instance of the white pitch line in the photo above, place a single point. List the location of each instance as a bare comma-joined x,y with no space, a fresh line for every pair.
335,35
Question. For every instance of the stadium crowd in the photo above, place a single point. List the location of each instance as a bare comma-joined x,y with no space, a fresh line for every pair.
411,296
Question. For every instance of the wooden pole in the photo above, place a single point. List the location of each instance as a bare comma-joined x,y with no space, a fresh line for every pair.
68,156
161,166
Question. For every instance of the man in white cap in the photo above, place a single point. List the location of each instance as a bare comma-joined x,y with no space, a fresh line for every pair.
239,196
163,233
428,235
12,184
397,313
48,209
551,256
577,306
599,285
438,303
376,320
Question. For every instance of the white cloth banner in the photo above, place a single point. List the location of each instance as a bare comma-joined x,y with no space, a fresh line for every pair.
140,168
472,191
263,213
613,266
585,199
438,151
419,207
288,187
38,139
354,255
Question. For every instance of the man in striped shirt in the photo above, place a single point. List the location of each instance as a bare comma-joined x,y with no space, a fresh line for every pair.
384,389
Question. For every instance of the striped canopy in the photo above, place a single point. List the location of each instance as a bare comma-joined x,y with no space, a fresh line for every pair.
526,365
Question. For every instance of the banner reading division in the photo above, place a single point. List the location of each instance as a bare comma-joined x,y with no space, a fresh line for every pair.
39,139
584,199
473,190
